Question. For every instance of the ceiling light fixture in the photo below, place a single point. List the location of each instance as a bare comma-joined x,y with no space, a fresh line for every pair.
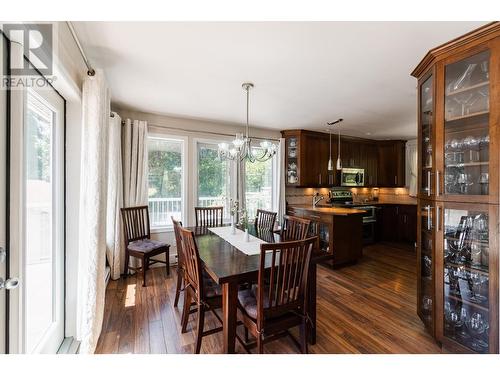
241,147
339,160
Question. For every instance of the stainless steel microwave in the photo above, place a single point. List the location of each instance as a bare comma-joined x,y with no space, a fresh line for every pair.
352,177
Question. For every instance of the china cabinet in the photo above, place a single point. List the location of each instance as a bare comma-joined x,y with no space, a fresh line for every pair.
458,191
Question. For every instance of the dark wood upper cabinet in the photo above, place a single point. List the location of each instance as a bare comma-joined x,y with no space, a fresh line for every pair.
306,159
391,164
307,155
458,196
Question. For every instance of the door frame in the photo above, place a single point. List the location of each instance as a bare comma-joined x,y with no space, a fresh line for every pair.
10,116
5,45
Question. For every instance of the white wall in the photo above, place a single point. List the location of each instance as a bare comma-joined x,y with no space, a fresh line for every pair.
192,130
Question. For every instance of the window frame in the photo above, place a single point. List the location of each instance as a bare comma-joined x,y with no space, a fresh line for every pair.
195,172
275,180
184,177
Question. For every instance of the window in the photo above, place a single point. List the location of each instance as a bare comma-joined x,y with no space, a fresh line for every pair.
166,180
259,185
214,178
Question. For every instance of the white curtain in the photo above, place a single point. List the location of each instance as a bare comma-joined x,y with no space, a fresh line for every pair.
115,251
135,166
93,198
280,197
135,163
411,167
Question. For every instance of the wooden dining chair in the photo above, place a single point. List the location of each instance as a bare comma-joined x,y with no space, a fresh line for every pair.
138,242
209,216
265,220
294,228
180,262
278,302
206,294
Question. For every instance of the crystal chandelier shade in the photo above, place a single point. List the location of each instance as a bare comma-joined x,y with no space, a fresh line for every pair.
241,147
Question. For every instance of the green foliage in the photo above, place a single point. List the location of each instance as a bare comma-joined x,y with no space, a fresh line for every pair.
258,175
39,146
164,174
211,173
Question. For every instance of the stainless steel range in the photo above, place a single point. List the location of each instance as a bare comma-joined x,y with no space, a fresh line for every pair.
343,198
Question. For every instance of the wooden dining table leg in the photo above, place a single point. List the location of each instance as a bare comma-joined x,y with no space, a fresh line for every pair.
311,303
229,315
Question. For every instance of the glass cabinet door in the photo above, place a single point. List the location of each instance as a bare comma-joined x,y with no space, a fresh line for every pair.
292,156
426,126
469,305
426,301
322,230
466,126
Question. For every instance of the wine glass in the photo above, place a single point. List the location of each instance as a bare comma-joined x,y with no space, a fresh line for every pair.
477,325
476,282
462,100
459,324
484,69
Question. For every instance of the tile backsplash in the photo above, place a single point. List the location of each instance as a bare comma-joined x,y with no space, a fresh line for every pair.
385,195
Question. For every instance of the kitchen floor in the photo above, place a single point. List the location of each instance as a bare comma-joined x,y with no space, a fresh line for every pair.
366,308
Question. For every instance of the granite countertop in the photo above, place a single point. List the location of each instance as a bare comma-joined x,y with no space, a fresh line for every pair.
335,211
374,204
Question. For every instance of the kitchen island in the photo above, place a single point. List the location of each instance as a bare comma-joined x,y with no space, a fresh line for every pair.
339,230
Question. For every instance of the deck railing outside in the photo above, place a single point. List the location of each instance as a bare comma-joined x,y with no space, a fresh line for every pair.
161,209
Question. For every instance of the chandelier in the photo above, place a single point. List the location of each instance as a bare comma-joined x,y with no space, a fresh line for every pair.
241,147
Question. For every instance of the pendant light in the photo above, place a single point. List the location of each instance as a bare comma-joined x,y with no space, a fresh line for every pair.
330,162
339,161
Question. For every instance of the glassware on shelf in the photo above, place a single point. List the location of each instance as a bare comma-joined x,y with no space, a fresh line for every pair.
477,325
464,181
463,80
476,282
427,305
462,100
427,266
484,70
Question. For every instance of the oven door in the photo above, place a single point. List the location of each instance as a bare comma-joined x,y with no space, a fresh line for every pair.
352,177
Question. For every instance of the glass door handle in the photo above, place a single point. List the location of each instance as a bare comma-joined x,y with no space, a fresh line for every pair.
9,283
429,183
438,214
437,183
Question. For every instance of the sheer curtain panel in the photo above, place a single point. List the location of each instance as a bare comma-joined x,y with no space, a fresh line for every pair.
93,198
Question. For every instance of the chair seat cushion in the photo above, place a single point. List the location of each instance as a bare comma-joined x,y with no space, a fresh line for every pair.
248,301
146,245
211,288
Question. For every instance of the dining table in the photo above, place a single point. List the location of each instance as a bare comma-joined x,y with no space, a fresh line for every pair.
230,268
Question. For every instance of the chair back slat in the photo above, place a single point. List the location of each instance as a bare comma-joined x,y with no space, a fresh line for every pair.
209,216
265,220
285,265
294,228
192,262
178,241
136,223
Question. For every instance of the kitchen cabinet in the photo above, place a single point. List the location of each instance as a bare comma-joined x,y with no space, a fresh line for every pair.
307,155
397,223
458,191
339,231
391,164
306,159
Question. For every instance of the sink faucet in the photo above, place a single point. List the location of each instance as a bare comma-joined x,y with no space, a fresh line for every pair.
317,198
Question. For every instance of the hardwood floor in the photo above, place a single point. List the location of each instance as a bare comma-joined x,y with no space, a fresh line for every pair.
366,308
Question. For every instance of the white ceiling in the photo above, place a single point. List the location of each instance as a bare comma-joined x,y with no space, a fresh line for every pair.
305,73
